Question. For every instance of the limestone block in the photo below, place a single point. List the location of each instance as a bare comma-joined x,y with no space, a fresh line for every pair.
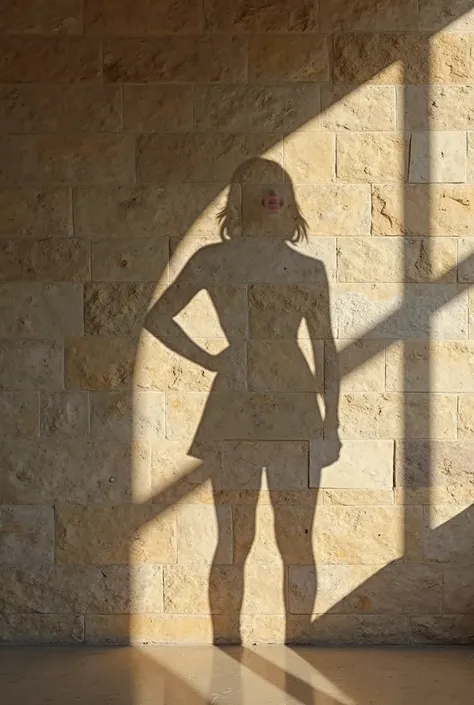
175,475
186,589
62,259
157,108
119,415
30,59
363,370
98,363
342,210
455,15
436,107
466,416
310,157
260,16
145,17
466,265
357,498
116,308
19,412
129,260
350,630
187,59
273,309
458,591
27,535
371,156
280,366
437,157
35,212
362,464
117,535
435,464
379,16
65,415
448,530
430,367
442,629
41,17
365,108
37,310
199,527
280,58
200,319
31,365
470,157
284,462
41,629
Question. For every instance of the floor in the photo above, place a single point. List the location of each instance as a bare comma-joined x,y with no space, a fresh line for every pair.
259,676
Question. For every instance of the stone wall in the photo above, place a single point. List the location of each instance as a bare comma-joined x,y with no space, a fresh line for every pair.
122,123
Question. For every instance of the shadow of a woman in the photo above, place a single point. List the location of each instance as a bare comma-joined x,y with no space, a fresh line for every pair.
265,403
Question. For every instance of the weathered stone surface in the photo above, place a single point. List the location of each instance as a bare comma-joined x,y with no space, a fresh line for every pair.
41,629
49,59
65,415
466,266
121,535
284,462
173,210
458,590
437,157
401,58
378,16
436,107
453,494
396,259
205,157
98,363
280,58
261,16
248,108
442,629
357,498
435,464
31,365
342,210
116,308
310,157
448,534
62,589
19,412
157,108
204,535
40,310
41,17
466,416
365,108
129,260
450,15
175,475
398,415
206,59
186,589
436,310
364,464
35,108
35,212
121,415
285,366
44,260
75,472
371,156
26,535
336,630
140,18
363,370
430,367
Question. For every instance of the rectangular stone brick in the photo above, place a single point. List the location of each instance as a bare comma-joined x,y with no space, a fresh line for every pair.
273,309
129,260
175,474
51,260
390,311
41,17
371,156
448,531
202,157
285,365
433,465
173,210
435,15
198,530
98,363
119,416
31,59
27,535
41,629
118,535
284,462
116,308
40,310
365,108
381,15
436,107
454,494
362,464
19,412
458,590
430,367
245,16
249,108
36,108
442,629
348,630
398,415
140,18
186,589
76,471
158,108
65,415
160,629
357,498
281,58
466,416
31,365
364,369
300,148
437,157
183,59
466,264
350,217
36,213
396,259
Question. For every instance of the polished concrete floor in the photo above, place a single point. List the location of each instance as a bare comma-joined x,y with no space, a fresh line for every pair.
235,676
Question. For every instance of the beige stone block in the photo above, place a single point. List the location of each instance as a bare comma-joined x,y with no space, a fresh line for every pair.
353,589
116,308
436,107
263,596
204,535
19,412
454,494
183,59
437,157
31,365
157,108
442,629
207,157
391,311
30,59
41,17
430,367
263,629
378,16
79,108
362,464
285,365
40,310
116,535
187,589
401,58
129,260
466,265
448,530
176,475
76,471
27,535
141,18
260,16
280,58
249,108
310,157
41,629
470,157
121,415
126,212
44,260
99,363
341,210
35,212
365,108
285,464
361,365
398,416
161,629
466,416
371,156
448,15
65,415
396,259
349,630
458,590
436,466
357,498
